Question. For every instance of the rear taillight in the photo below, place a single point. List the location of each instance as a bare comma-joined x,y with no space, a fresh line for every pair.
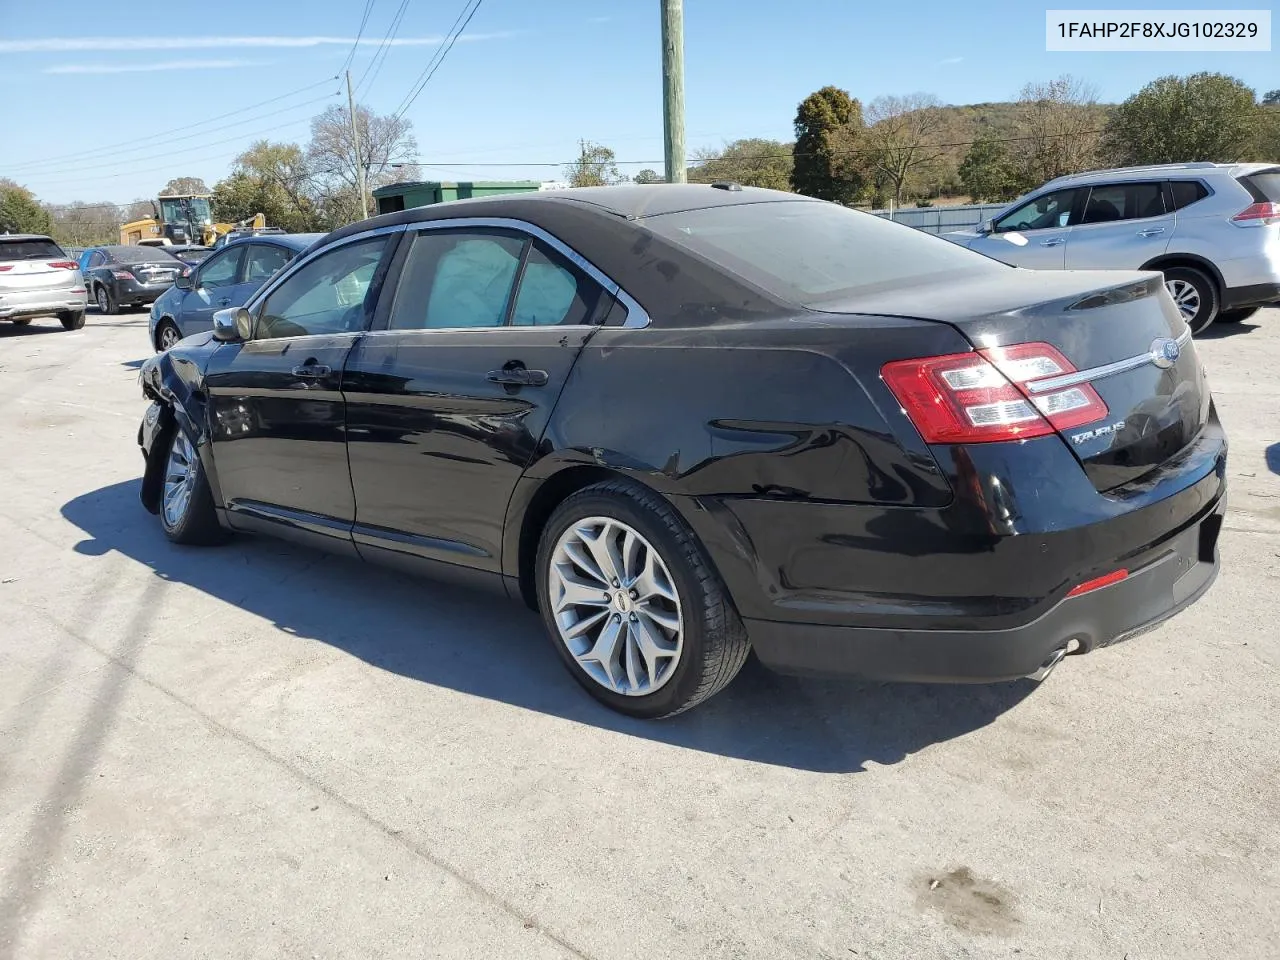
5,267
122,274
1258,215
64,264
987,396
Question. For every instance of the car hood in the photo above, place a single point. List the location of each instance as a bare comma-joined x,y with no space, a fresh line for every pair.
962,237
185,362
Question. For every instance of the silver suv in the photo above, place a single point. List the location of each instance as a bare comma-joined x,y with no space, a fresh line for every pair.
1212,229
37,278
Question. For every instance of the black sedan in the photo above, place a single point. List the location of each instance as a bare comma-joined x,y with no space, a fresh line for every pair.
685,422
120,276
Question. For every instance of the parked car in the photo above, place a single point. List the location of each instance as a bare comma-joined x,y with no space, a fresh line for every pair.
37,279
189,253
1212,229
120,276
243,232
228,277
686,421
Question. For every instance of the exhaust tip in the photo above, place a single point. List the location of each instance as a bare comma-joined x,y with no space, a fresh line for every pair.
1046,668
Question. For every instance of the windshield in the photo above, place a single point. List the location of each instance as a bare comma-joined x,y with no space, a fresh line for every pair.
172,209
29,250
812,253
139,254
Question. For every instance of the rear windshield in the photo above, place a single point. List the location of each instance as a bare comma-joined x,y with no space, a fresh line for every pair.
1263,185
30,250
139,254
814,253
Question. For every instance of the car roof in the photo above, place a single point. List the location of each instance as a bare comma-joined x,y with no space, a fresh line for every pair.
294,241
26,236
1188,170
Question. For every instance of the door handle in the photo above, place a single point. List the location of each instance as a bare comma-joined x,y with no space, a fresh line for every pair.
516,374
1053,242
311,371
1151,232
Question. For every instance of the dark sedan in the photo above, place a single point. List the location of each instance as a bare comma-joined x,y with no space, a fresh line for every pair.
189,253
121,276
684,422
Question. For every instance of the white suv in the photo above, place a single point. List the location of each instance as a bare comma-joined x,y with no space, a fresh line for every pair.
38,279
1212,229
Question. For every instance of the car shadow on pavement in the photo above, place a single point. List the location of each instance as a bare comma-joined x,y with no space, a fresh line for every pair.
464,641
1220,331
33,329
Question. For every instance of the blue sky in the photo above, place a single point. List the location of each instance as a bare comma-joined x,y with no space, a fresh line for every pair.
527,81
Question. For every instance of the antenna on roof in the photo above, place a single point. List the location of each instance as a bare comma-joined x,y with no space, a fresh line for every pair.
731,185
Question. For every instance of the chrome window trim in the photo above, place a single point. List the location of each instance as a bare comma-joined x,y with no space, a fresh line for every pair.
299,261
1105,370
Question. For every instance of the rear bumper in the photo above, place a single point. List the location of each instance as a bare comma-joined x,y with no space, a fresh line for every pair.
1251,296
130,291
41,303
1162,588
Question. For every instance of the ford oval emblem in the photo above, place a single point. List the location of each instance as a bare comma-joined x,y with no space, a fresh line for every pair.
1165,352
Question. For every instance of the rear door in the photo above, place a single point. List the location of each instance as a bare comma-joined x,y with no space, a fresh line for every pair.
1124,225
446,404
1035,234
276,401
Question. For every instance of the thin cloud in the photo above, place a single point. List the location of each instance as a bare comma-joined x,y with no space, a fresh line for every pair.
951,60
78,44
151,67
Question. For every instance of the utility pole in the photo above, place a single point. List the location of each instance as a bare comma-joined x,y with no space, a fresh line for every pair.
355,142
673,88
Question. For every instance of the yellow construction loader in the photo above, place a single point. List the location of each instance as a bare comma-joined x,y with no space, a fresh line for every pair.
182,219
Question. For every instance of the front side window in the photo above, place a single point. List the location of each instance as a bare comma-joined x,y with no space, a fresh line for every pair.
1047,211
456,279
1124,201
328,295
222,270
264,259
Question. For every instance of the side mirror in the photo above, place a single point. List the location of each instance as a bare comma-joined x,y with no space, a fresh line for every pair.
233,325
987,226
184,280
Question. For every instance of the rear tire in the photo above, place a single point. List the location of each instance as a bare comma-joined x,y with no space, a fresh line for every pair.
1235,316
1195,294
106,303
665,578
72,319
186,503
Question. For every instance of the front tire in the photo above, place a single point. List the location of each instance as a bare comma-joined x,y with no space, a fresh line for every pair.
632,603
1195,295
106,303
72,319
186,503
166,335
1235,316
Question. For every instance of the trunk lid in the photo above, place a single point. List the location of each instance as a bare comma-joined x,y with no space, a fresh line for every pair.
1120,328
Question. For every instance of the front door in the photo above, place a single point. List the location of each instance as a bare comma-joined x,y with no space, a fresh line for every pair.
212,284
446,406
1035,234
276,401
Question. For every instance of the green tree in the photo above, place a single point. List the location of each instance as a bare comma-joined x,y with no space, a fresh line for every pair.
1204,116
987,172
752,162
649,176
595,167
273,179
828,129
184,186
1271,98
20,212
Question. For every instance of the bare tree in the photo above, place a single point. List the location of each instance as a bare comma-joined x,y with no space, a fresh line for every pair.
182,186
384,141
903,137
1059,124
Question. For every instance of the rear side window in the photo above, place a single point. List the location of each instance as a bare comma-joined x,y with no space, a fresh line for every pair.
1187,192
1263,186
1123,201
809,252
553,292
30,250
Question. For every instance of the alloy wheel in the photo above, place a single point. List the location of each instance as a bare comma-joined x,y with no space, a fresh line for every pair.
179,478
103,302
615,606
168,336
1186,296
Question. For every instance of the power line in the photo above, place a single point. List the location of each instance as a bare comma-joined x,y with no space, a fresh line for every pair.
368,9
127,143
384,48
434,64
